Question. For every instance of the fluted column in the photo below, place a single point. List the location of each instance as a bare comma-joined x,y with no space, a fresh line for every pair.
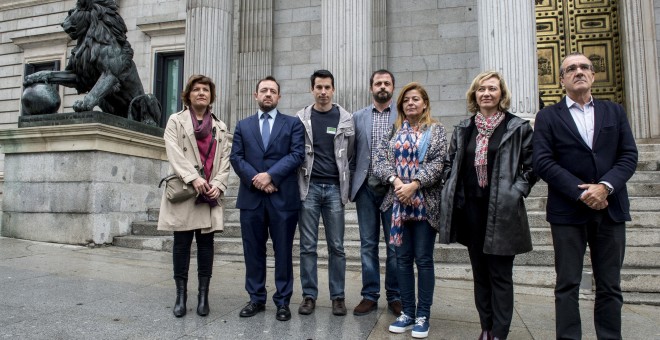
379,35
346,46
640,67
208,47
255,51
507,43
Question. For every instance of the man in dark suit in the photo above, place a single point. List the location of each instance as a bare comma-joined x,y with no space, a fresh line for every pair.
585,151
267,151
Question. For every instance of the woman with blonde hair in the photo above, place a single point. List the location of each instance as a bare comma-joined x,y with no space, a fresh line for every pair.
410,157
488,172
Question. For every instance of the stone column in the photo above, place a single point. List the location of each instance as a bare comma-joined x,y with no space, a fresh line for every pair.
507,43
346,47
208,47
640,67
379,35
255,52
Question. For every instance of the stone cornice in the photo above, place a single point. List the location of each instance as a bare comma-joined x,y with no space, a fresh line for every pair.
82,137
12,4
44,39
155,29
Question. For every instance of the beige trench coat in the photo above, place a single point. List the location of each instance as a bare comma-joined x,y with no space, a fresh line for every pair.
183,155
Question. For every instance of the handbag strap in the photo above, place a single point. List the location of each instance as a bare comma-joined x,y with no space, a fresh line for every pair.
165,179
172,176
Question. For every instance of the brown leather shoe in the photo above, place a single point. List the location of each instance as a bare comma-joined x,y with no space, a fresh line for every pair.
395,307
338,306
307,306
365,307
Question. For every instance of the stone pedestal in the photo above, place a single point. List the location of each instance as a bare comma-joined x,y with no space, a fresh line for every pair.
78,184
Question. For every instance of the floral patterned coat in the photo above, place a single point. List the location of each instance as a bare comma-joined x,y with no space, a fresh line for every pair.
429,174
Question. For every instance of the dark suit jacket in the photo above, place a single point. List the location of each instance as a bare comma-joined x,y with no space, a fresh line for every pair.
281,160
563,160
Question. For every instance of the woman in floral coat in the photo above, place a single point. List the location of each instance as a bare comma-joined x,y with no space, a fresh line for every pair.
410,158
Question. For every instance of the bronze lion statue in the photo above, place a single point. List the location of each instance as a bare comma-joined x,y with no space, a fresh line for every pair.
101,65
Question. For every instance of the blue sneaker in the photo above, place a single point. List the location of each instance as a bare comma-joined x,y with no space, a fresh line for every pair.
421,328
402,324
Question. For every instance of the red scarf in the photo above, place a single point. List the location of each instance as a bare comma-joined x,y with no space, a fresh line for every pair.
485,127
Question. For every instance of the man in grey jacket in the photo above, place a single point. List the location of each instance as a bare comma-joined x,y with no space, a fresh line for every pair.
324,180
368,192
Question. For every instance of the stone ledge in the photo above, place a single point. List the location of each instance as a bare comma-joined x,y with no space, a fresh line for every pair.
83,137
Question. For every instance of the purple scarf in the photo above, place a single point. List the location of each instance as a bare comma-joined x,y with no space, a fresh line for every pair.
204,140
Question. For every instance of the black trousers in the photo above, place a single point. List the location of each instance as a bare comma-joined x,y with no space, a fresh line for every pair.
492,274
607,243
181,253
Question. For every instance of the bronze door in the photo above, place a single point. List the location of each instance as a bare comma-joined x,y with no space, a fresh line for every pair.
587,26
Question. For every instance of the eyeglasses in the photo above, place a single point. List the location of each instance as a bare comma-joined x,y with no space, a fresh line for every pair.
572,68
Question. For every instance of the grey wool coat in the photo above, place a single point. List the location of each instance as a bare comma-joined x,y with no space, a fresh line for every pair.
183,155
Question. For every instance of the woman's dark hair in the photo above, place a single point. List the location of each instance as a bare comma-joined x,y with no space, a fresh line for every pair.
197,79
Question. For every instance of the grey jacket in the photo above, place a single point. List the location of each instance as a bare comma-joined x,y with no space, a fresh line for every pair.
507,229
363,122
344,151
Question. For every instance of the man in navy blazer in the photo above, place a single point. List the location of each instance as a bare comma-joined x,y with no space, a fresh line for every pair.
585,151
267,151
367,191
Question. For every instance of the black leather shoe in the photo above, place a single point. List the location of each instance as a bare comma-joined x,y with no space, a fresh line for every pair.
283,313
251,309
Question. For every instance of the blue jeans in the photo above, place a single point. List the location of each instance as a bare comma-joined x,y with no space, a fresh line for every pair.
417,244
367,203
322,200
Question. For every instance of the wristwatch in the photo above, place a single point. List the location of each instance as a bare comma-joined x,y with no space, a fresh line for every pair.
610,190
391,179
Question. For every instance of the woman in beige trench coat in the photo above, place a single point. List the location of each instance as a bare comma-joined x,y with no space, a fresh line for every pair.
196,139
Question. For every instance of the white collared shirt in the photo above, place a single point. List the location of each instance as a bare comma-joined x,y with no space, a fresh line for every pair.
584,119
272,113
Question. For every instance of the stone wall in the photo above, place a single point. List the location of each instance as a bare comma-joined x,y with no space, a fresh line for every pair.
433,42
656,4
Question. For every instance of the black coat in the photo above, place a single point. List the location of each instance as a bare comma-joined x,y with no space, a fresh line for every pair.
512,178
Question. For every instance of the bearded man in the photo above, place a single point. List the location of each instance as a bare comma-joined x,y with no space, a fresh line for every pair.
368,192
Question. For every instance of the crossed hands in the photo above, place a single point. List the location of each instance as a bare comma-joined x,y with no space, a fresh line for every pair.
594,196
263,182
405,192
203,187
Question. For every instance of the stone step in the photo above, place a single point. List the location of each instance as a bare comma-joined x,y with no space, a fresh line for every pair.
541,236
635,189
640,218
643,147
537,203
632,279
640,188
636,257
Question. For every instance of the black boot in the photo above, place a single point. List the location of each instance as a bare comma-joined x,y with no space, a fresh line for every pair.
203,296
181,297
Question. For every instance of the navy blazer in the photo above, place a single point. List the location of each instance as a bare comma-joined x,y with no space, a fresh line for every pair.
563,160
281,160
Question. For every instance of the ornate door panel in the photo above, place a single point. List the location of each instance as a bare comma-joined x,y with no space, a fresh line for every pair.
587,26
